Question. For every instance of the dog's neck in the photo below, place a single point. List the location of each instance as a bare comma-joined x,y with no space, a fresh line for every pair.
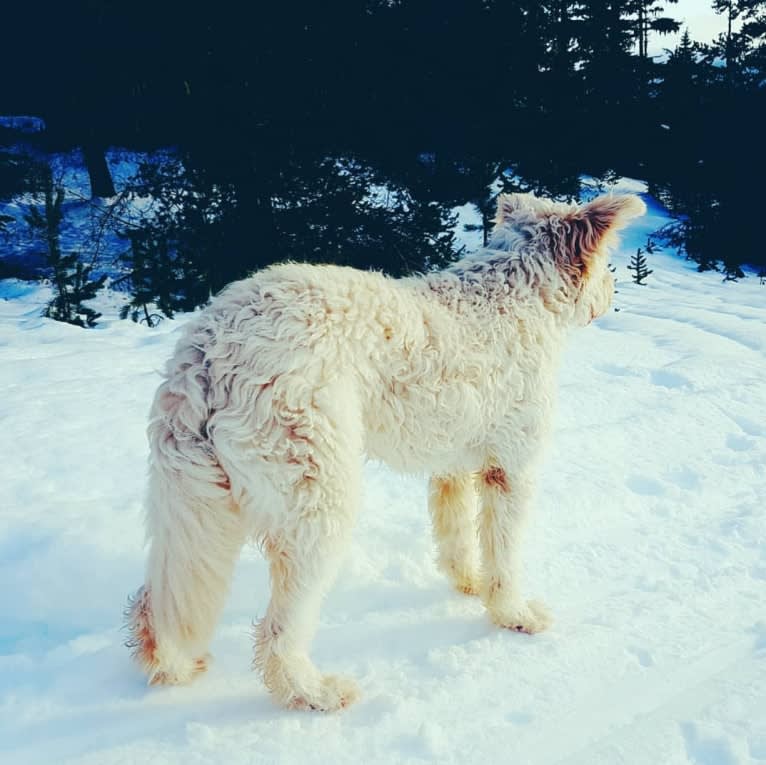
508,239
506,247
509,271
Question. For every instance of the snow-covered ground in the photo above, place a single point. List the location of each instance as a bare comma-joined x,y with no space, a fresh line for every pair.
649,545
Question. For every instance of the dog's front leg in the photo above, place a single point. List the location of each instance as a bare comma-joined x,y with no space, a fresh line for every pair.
505,504
452,504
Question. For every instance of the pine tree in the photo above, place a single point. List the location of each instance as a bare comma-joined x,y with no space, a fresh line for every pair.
606,43
732,272
160,278
741,50
177,257
195,240
72,280
680,72
638,266
753,42
649,16
74,283
727,44
344,211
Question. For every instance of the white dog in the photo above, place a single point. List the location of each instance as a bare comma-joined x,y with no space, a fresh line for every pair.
277,390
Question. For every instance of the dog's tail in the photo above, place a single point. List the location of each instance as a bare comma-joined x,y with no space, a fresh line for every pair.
193,527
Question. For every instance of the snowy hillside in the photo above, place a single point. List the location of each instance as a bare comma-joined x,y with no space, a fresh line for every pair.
648,545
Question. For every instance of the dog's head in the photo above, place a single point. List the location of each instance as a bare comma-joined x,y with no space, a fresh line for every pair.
576,238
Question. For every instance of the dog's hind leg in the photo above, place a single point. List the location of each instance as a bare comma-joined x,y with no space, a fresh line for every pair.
504,506
300,574
452,503
324,475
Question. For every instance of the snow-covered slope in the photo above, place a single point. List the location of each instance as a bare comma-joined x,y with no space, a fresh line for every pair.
648,545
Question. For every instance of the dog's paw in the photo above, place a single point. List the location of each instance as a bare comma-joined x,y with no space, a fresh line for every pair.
180,674
466,583
463,578
335,692
467,587
530,617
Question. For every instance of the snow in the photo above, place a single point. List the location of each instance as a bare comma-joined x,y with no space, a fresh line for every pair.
22,123
648,544
82,228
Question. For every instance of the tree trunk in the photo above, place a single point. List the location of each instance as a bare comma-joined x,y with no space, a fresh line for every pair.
642,51
728,48
101,184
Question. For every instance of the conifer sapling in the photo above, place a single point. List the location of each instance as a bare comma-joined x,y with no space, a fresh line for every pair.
638,266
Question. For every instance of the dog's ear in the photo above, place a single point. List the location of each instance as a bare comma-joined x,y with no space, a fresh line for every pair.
591,223
508,206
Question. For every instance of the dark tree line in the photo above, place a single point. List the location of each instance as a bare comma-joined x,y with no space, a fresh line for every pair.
289,117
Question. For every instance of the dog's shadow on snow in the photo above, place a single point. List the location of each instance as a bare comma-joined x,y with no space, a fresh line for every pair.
365,629
394,622
105,694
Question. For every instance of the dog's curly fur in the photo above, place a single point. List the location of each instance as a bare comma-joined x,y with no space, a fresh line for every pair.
277,390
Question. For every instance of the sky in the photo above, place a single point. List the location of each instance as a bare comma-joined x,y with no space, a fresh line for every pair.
696,15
